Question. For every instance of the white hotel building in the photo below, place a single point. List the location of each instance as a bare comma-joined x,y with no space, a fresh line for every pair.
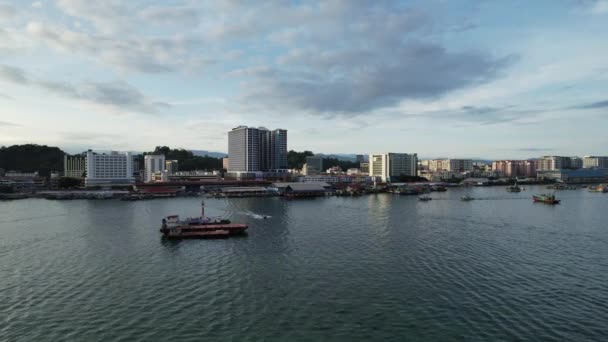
109,169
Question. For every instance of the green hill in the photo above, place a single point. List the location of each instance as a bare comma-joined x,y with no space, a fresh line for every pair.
31,158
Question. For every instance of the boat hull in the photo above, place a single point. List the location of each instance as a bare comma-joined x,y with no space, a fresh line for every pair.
203,231
545,200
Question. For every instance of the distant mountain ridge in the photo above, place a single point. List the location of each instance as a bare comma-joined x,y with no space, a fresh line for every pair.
202,153
339,156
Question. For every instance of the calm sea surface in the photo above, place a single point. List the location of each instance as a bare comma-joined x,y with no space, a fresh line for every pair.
373,268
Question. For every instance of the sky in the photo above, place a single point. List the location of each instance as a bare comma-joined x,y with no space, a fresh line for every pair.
475,79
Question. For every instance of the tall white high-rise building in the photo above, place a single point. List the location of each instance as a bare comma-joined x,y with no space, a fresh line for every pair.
153,164
388,166
109,169
244,149
257,149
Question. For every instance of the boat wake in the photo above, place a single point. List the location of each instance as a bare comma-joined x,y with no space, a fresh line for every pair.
254,215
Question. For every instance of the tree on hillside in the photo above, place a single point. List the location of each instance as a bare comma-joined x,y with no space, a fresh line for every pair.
186,159
31,158
295,160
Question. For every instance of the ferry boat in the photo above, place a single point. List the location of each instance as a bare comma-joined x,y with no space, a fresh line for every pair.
199,227
545,198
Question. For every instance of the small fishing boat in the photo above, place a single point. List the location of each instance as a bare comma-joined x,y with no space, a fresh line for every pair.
545,198
466,198
439,188
600,188
514,188
425,198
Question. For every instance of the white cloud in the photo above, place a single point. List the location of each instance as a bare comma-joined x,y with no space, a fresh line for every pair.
600,7
7,12
183,16
117,96
128,53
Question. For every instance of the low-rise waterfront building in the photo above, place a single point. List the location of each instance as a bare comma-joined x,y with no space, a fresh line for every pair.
19,174
249,191
335,170
575,176
300,189
23,181
325,178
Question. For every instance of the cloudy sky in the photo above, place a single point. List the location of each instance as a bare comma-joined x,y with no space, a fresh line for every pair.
493,79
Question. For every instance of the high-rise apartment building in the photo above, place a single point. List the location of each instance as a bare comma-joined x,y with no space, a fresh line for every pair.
460,165
516,168
454,165
592,162
388,166
109,169
278,149
549,163
257,149
74,166
154,165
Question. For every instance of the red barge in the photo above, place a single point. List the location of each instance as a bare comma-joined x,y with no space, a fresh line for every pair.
200,227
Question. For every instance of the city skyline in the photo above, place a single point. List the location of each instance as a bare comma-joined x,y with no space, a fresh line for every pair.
443,79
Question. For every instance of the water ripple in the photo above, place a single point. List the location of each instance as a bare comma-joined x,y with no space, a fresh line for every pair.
339,269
